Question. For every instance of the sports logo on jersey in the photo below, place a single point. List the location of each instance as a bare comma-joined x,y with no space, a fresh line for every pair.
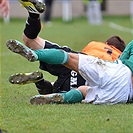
73,80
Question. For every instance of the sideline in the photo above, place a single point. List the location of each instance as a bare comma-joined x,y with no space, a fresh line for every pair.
120,28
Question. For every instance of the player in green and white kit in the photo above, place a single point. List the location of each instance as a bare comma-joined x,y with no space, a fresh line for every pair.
107,82
127,56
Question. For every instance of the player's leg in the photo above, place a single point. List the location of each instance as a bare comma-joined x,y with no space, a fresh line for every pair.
33,24
30,34
72,96
56,56
50,56
44,87
37,43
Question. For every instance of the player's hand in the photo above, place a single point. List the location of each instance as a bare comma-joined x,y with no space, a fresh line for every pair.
4,7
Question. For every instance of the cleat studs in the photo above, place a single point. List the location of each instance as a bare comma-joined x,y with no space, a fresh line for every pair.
17,81
12,81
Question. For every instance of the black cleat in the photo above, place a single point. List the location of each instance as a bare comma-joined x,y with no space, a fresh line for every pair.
33,6
25,78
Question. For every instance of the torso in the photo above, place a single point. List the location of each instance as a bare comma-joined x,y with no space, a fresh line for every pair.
102,50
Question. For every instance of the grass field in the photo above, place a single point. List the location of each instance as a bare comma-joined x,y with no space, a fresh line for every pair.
18,116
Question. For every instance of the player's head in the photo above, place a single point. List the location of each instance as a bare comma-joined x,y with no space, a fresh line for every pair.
117,42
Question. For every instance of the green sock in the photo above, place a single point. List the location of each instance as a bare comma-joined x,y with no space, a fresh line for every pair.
72,96
52,56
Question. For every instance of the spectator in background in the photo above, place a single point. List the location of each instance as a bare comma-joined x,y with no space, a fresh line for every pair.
66,10
94,15
5,9
47,15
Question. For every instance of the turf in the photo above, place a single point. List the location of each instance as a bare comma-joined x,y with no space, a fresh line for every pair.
18,116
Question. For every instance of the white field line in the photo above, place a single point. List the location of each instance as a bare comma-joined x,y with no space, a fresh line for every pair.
120,28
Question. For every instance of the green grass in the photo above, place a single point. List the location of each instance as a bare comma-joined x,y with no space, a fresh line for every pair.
18,116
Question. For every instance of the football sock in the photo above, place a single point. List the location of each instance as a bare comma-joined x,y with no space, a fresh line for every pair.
34,15
52,56
72,96
32,27
44,87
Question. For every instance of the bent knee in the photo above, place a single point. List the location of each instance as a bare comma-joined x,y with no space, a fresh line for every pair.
83,90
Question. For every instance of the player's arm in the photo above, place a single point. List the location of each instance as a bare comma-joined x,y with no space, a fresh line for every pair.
127,56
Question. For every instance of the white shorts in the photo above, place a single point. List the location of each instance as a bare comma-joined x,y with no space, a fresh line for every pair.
109,82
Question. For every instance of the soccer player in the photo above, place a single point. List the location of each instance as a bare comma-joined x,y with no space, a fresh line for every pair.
67,79
106,82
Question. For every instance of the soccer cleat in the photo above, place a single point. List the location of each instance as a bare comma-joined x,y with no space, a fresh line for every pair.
25,78
17,47
33,6
46,99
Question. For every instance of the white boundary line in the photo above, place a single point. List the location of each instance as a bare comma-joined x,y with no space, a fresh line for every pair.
120,28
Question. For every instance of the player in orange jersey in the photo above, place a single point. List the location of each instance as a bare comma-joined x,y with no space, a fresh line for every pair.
103,50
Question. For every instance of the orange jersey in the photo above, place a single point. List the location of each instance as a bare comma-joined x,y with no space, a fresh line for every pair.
102,50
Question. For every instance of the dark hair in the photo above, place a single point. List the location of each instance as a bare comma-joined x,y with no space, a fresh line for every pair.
117,42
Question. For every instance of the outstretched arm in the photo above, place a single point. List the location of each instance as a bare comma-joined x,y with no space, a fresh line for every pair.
4,7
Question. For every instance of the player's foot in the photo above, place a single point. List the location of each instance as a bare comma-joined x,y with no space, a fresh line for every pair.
25,78
17,47
33,6
46,99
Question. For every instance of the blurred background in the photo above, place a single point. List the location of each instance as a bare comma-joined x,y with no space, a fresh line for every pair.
108,7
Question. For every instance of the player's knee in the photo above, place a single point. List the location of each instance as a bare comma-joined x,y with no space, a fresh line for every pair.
83,90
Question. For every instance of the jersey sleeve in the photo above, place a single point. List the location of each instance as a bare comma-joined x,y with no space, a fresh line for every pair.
127,56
